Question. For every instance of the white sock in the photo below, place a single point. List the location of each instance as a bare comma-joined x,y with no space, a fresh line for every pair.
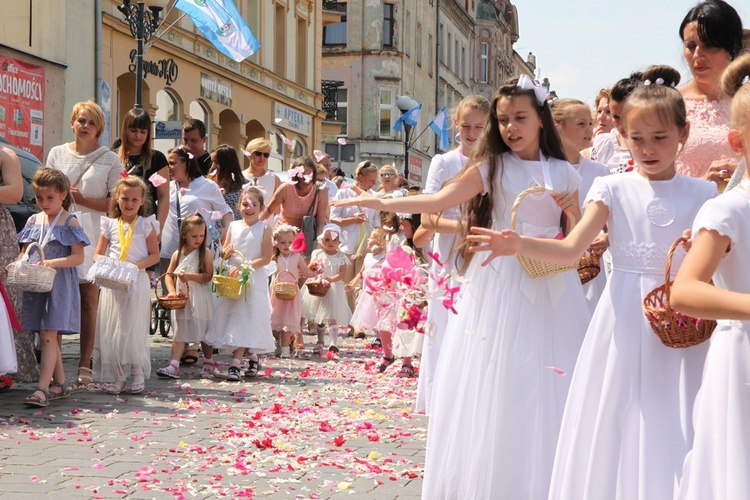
333,333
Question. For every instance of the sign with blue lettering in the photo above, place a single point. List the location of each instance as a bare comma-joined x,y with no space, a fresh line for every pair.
291,119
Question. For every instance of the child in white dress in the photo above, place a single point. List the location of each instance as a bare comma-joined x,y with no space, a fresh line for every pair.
190,270
365,315
121,345
611,149
626,427
244,324
717,466
332,309
575,124
496,410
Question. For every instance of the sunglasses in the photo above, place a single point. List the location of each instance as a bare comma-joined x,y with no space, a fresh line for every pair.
259,154
387,174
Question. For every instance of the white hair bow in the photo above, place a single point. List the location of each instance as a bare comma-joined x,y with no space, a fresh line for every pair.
746,79
526,83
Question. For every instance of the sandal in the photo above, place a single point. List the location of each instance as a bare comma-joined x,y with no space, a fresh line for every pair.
234,374
115,388
209,368
253,368
168,371
407,371
385,363
376,344
39,401
64,390
86,377
137,387
189,359
318,349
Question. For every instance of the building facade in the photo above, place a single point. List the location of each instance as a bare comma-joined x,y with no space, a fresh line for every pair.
274,94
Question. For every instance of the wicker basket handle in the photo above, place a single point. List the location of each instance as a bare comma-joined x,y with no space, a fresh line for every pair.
519,199
34,244
187,285
668,272
276,276
223,259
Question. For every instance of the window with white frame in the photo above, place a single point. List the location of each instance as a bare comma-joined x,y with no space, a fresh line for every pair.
276,161
386,106
342,109
389,22
167,109
299,149
483,62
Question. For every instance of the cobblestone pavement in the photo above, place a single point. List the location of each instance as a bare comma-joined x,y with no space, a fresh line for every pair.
306,428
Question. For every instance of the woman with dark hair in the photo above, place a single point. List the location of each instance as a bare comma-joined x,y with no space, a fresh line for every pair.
227,174
140,159
711,33
189,193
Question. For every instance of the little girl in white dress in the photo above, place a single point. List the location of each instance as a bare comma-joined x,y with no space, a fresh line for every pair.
333,308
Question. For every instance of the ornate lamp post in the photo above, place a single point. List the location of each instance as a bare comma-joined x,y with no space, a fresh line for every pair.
143,24
405,104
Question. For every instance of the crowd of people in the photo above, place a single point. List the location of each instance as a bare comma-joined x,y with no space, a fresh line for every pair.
560,388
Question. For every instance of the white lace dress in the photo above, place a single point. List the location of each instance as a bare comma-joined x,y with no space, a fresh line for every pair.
191,322
717,466
626,427
496,404
333,308
709,126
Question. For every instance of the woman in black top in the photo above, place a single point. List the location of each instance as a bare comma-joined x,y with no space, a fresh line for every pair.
138,158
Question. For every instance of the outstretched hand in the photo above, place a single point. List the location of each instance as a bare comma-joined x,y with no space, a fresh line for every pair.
505,242
363,199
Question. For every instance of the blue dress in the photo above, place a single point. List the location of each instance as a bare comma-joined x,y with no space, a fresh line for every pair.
59,309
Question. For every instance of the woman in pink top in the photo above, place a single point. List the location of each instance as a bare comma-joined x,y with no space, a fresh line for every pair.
297,196
711,33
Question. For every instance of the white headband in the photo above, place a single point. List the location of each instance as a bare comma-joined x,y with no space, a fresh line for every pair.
526,83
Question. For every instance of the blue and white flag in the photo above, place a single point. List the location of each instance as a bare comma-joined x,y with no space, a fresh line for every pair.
222,25
440,126
411,118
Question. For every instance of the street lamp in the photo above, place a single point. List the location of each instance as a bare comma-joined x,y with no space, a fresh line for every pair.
406,104
142,26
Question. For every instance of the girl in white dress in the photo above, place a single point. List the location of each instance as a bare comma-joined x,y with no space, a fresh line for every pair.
575,124
121,344
333,308
611,149
190,270
365,315
244,324
496,409
469,118
717,466
626,427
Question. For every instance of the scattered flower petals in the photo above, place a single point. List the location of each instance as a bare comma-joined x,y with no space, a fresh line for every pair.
342,141
555,369
157,180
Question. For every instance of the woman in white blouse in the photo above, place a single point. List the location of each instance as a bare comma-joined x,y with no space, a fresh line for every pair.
93,171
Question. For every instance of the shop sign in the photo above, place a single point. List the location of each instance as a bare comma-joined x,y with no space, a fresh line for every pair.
291,119
163,68
22,105
168,129
216,89
415,169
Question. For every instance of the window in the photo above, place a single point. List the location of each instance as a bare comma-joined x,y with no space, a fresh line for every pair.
455,57
430,57
483,63
335,34
449,59
301,75
167,109
276,161
406,31
251,13
463,63
386,105
299,149
198,110
441,42
418,44
342,109
388,24
279,52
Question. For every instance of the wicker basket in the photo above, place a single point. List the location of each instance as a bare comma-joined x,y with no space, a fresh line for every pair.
318,288
284,290
588,267
31,277
224,286
176,302
674,329
534,267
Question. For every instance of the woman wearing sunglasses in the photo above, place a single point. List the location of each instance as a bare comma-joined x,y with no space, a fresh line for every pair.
388,183
258,150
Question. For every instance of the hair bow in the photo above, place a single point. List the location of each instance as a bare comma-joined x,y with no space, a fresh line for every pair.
526,83
190,155
746,79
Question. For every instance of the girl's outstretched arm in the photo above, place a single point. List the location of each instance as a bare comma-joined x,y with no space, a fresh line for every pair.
693,294
565,251
459,191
